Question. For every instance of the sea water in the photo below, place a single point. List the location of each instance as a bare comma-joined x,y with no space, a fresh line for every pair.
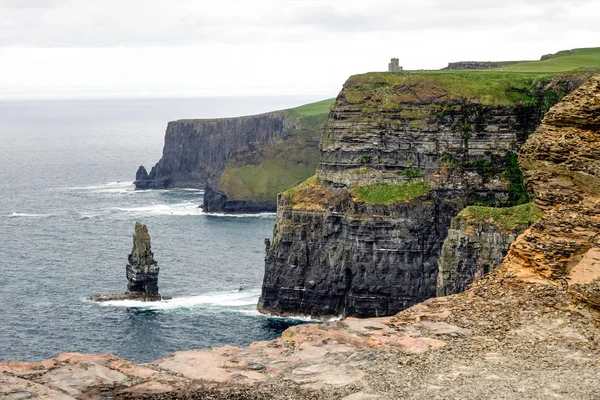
67,213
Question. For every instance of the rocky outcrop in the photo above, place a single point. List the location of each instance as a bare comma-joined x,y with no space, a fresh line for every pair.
218,201
334,253
478,240
141,271
353,259
561,163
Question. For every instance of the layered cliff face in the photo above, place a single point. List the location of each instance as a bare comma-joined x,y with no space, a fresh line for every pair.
561,163
196,151
478,240
359,239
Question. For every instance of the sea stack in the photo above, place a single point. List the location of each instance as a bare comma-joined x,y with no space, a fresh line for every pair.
142,271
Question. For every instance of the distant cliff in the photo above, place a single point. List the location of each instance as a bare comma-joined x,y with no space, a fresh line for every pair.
242,163
196,151
401,155
479,64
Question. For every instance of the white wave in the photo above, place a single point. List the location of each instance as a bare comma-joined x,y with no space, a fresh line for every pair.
216,300
110,187
88,215
255,215
27,215
187,208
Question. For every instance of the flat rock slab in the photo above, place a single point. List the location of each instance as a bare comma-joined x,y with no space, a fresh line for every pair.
128,296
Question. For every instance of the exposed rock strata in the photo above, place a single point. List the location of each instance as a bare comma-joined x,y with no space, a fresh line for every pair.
561,162
472,249
348,258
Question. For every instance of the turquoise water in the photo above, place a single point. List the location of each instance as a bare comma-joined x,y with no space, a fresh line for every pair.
67,212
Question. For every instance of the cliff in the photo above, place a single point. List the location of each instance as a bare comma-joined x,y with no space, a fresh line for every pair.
478,240
561,162
401,155
196,151
242,162
528,330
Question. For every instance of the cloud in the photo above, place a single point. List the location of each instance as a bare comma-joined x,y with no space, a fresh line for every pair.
138,23
191,47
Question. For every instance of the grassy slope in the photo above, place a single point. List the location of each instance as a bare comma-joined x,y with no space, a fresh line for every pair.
376,91
507,218
318,108
281,165
389,193
560,62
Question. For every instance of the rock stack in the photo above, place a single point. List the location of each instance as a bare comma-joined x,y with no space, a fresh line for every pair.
142,271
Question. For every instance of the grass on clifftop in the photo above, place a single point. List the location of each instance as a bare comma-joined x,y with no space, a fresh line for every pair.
307,110
507,218
377,91
566,60
389,193
506,86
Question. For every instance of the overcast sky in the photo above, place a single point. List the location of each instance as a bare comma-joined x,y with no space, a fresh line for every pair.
109,48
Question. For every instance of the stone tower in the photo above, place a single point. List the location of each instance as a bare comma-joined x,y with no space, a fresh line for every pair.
394,66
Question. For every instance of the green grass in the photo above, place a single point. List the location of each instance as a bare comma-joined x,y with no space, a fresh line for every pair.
389,193
284,165
307,110
376,91
560,62
507,218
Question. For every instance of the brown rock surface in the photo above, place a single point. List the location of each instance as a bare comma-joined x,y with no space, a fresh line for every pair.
561,163
529,330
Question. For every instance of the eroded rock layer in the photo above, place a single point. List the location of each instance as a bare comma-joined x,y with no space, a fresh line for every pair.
561,162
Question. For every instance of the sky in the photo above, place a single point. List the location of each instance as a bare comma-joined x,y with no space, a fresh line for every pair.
172,48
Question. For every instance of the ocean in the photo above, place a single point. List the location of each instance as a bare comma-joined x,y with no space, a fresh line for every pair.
67,213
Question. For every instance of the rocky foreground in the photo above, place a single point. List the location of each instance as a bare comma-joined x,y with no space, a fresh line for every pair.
504,338
528,330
